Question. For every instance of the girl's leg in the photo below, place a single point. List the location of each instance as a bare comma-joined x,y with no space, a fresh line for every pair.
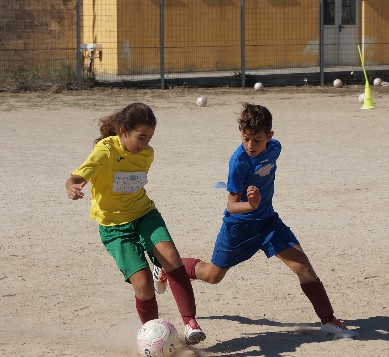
179,282
295,258
181,288
146,303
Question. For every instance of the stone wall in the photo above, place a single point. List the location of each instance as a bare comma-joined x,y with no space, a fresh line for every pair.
32,30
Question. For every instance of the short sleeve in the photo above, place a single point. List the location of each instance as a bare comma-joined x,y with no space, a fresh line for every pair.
238,173
94,163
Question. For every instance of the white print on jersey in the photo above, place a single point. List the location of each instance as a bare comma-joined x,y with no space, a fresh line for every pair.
129,181
264,170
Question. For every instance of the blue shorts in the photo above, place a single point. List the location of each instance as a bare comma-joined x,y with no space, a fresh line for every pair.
238,240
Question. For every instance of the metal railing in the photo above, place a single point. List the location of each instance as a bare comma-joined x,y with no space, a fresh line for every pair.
163,43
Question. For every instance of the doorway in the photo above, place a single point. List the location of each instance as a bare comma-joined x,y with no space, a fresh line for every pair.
342,19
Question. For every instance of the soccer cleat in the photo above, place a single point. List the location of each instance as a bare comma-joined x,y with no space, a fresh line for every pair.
193,334
160,279
336,328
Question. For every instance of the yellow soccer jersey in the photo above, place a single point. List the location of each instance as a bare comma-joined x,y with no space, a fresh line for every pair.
117,178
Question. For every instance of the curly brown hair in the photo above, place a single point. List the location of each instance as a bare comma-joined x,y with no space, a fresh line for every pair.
130,118
255,118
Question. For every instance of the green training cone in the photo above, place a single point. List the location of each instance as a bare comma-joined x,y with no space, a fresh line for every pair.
368,100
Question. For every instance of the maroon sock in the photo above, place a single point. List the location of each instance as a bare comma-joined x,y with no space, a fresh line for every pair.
147,309
317,295
190,266
182,291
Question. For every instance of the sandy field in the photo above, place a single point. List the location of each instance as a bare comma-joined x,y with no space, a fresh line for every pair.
61,293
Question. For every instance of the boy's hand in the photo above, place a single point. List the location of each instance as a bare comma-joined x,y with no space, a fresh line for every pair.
253,197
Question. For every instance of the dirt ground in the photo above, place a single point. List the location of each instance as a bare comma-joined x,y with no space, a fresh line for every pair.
61,293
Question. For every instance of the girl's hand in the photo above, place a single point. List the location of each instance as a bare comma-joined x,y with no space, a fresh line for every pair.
74,186
253,197
74,191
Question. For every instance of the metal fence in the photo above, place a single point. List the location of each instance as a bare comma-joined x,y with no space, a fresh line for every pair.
163,43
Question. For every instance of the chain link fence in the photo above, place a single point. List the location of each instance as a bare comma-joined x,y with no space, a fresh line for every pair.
163,43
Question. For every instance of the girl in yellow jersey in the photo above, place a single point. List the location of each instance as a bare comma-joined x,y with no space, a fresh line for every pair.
129,222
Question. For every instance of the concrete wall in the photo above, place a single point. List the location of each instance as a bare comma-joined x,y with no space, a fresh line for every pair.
31,30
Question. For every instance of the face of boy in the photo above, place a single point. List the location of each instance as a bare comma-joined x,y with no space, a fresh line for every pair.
255,143
136,140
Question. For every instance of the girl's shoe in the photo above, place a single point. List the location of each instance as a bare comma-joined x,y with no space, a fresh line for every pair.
160,280
194,334
336,328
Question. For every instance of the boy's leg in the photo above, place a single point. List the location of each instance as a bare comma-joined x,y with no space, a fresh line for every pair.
199,270
297,261
313,288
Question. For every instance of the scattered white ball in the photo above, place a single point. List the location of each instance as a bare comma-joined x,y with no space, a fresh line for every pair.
258,86
377,82
337,83
201,101
361,98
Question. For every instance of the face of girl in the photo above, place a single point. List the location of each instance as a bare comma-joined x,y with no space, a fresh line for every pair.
136,140
254,144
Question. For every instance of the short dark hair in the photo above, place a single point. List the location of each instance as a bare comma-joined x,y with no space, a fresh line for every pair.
255,118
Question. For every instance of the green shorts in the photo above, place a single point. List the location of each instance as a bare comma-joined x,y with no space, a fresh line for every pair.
127,243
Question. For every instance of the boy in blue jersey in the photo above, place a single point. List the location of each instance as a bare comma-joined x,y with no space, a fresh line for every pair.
250,223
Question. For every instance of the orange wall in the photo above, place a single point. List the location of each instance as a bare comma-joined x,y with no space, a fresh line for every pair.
204,35
375,30
100,26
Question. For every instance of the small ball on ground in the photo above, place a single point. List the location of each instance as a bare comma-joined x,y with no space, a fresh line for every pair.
258,86
377,82
201,101
361,98
337,83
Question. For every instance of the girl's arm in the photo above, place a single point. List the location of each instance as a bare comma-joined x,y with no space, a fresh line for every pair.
74,185
234,206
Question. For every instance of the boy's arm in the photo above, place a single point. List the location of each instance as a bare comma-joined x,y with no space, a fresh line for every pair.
74,185
234,206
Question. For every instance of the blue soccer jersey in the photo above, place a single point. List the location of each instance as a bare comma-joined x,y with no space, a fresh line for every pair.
259,171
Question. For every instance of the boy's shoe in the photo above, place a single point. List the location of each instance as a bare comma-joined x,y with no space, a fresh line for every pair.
160,279
336,328
193,334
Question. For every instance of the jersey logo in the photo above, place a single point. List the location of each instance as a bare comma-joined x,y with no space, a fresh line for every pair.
120,159
264,170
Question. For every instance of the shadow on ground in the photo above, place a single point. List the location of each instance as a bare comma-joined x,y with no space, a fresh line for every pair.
276,344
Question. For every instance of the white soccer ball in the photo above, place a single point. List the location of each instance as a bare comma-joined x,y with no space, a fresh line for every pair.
361,98
258,86
157,338
377,82
337,83
201,101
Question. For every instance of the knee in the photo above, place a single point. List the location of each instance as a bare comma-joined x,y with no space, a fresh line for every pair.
304,272
301,269
144,291
214,279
